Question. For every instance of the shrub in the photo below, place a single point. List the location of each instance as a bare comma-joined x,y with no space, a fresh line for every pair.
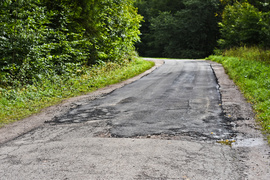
243,24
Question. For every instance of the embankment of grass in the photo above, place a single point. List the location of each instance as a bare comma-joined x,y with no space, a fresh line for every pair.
249,53
21,102
253,79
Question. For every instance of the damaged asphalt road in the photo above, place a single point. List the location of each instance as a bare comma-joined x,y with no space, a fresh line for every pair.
181,98
185,120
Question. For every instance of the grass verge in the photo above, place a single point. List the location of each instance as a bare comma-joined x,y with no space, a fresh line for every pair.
253,79
16,104
249,53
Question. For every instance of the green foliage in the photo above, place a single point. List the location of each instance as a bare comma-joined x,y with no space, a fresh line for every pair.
249,53
21,30
192,30
17,103
151,9
111,27
254,81
42,39
186,30
189,28
243,24
262,5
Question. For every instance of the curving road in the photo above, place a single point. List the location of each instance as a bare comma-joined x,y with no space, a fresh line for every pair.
170,124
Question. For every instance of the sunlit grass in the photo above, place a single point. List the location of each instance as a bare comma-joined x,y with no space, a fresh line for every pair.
19,103
249,53
253,79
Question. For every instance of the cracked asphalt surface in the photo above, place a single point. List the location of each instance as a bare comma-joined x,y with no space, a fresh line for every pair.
185,120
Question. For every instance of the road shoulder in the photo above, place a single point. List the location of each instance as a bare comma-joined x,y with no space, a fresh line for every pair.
240,114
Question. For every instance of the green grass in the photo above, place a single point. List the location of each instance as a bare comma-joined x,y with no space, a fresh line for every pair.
16,104
252,76
249,53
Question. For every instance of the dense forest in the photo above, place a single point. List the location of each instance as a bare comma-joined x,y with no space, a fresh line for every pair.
194,28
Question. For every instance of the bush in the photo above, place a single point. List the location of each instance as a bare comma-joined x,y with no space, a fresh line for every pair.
243,24
43,38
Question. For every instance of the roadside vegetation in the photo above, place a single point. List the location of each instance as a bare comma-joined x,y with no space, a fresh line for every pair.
41,39
243,50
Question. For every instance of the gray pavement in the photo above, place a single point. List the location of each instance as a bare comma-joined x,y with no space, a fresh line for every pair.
174,123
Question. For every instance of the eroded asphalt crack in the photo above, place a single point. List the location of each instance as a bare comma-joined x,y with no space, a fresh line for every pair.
179,122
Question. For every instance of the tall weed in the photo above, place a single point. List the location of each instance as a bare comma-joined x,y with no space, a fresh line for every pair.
249,53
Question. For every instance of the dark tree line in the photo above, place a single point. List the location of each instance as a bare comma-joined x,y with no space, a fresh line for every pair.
194,28
178,28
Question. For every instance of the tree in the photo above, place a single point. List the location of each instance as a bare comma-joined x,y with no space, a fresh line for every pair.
188,31
110,26
150,9
22,30
244,24
43,38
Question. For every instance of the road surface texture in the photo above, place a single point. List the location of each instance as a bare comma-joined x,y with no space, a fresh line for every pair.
185,120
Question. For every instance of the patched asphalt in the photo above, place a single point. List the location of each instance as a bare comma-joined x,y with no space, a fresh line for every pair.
181,98
178,122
